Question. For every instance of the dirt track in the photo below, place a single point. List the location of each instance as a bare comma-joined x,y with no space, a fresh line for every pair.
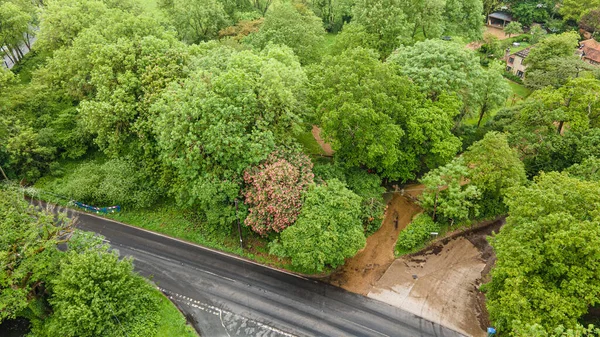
361,272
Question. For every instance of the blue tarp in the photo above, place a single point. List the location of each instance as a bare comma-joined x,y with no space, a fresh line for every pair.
93,209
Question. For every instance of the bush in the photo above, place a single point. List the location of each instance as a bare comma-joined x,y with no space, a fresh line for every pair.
368,187
117,181
513,77
417,233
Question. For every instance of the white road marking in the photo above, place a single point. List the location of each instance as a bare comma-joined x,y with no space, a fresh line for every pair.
218,311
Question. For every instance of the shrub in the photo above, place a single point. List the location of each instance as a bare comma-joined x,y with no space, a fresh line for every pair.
417,233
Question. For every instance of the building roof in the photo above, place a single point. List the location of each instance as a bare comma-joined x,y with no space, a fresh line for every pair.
591,49
501,16
523,53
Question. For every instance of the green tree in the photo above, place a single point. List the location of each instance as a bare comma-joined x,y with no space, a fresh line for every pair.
513,28
494,167
353,36
537,33
591,21
463,17
294,26
15,24
490,91
375,118
438,66
227,116
555,46
385,20
328,229
546,270
589,169
29,254
448,196
62,20
333,12
96,294
198,20
575,10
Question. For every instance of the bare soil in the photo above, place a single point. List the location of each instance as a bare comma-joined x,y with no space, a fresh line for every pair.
498,32
360,273
441,282
316,131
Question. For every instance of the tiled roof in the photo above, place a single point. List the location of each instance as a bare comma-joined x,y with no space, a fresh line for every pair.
523,53
591,49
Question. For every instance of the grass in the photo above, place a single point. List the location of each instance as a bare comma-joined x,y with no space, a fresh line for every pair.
519,90
172,322
309,143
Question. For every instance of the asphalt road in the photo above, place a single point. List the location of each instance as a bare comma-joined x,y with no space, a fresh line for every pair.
228,296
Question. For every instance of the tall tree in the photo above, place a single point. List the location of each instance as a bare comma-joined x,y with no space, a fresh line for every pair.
547,269
222,120
385,20
494,168
197,20
513,28
328,229
375,118
575,10
490,91
294,26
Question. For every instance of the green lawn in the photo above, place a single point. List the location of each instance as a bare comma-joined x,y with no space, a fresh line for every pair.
172,322
518,89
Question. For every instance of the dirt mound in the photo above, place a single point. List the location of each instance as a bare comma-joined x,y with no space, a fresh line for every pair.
360,272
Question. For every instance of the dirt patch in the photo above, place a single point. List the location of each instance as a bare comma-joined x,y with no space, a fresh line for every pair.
441,282
497,32
316,131
360,273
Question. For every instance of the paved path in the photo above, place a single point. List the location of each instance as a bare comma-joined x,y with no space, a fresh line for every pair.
229,296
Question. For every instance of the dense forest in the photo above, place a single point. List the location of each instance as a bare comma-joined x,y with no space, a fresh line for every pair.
199,113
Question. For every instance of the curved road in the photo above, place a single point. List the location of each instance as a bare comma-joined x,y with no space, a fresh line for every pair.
228,296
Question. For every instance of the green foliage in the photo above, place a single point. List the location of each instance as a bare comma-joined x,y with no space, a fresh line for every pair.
328,229
96,294
438,66
448,196
546,271
28,251
333,13
197,20
294,26
575,10
368,187
513,28
494,167
417,233
374,118
115,182
536,330
589,169
225,118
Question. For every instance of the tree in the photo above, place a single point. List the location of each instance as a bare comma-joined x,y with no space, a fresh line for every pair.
494,168
328,229
438,66
334,13
463,17
294,26
96,294
490,90
274,191
198,20
513,28
385,20
448,195
537,33
546,270
575,10
29,252
589,169
529,11
562,45
15,23
227,116
591,21
353,36
375,118
62,20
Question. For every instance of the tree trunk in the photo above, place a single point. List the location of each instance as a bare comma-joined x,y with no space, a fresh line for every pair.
481,113
560,127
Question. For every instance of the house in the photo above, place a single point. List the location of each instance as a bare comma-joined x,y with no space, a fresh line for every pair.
499,19
589,50
514,62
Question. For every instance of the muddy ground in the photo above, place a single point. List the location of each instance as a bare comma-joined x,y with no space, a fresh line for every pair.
441,282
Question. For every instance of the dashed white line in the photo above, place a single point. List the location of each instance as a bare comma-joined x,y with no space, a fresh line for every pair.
218,311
